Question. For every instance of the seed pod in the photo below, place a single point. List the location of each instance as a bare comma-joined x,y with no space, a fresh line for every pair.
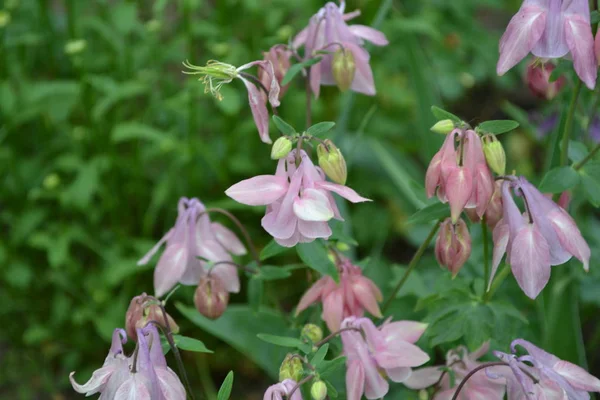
211,298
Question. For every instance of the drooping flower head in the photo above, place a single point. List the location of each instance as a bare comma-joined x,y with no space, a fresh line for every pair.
544,235
538,80
279,57
143,309
281,391
215,74
328,31
460,362
193,236
298,199
374,353
541,375
460,174
551,29
453,245
142,376
354,294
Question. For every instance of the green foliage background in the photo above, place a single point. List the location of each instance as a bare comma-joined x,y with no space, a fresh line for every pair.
97,145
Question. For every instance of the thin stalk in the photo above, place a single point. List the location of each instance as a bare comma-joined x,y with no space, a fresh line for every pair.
413,263
473,371
302,382
486,250
334,334
587,158
564,151
496,284
205,379
242,229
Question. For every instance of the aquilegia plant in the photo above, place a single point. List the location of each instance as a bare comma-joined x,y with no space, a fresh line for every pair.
370,344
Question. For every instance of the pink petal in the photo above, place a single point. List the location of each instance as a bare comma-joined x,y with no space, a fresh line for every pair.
259,111
300,38
315,79
423,378
433,174
569,236
409,331
363,76
314,229
311,295
458,186
258,191
313,205
500,237
133,389
342,190
228,239
577,376
530,260
399,374
524,30
355,380
401,354
281,221
95,383
366,297
579,37
481,351
333,310
169,384
170,268
372,35
228,275
144,260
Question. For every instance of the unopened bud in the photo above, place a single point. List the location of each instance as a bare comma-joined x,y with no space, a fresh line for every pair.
494,153
453,245
291,368
75,46
538,80
318,390
332,162
343,68
312,332
443,127
211,297
143,309
281,148
493,211
280,59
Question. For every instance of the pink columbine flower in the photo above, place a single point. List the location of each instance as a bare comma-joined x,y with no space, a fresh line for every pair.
281,390
215,74
545,235
453,245
279,57
327,31
119,379
538,80
460,175
193,236
354,294
554,378
461,362
298,199
551,29
375,352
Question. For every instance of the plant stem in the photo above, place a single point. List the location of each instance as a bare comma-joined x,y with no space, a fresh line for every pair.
413,263
587,158
496,284
334,334
473,371
302,382
486,250
564,151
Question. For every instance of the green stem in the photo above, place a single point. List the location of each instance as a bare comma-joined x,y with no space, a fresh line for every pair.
205,379
486,250
413,263
496,284
587,158
564,151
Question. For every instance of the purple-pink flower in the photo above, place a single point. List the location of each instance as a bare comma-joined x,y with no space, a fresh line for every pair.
144,376
460,362
543,376
377,352
192,242
298,199
354,294
543,236
327,31
551,29
281,391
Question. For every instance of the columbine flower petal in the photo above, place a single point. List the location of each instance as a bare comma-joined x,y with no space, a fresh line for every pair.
259,190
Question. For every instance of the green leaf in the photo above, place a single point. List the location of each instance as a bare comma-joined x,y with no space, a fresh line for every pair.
331,390
498,126
590,179
561,69
226,386
190,344
284,341
135,130
272,273
558,180
255,292
320,128
329,367
577,151
283,126
430,213
315,255
595,17
272,249
319,356
296,68
440,114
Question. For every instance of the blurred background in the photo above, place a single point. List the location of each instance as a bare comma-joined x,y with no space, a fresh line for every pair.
101,133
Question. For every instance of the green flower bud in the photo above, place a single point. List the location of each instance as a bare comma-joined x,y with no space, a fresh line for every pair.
443,127
318,390
332,162
75,46
343,68
312,332
281,148
291,368
494,153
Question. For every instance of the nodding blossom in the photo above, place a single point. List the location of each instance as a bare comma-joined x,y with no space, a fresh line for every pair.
543,236
281,391
453,245
143,375
551,29
327,31
541,375
143,309
538,80
376,353
351,297
192,242
298,199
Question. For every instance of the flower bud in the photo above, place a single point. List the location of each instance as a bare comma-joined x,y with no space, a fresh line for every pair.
211,297
312,332
343,68
291,368
332,162
494,153
75,46
538,80
453,245
281,148
280,58
143,309
493,212
443,127
318,390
